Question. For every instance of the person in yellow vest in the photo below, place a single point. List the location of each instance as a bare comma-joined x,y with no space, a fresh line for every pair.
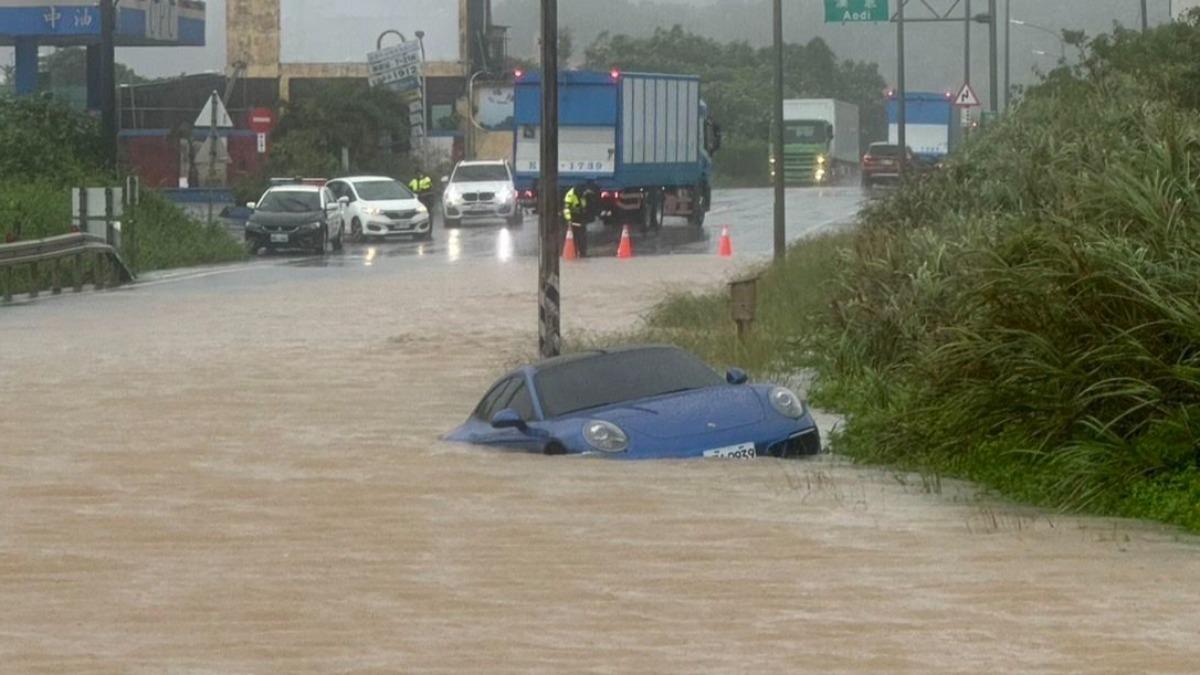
422,187
575,211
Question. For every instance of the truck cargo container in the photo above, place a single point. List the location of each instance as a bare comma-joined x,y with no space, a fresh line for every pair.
933,124
646,139
820,141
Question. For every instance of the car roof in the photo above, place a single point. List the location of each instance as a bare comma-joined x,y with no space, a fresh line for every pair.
364,179
594,353
483,162
295,188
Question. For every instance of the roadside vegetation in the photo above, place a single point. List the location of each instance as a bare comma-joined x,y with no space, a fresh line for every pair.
1028,317
46,148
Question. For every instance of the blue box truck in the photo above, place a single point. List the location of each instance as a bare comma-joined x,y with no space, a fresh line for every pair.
933,124
646,139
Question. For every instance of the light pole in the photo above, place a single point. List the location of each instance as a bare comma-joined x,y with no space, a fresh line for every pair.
780,165
1007,57
424,89
1062,44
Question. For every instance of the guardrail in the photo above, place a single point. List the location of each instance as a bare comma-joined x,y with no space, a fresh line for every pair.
107,267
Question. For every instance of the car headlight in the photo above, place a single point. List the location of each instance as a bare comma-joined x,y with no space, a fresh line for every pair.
312,226
786,403
453,197
821,159
421,209
373,211
605,436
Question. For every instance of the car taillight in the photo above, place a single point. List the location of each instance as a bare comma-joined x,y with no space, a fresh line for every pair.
528,194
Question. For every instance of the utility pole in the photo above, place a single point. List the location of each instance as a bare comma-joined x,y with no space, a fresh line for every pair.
549,300
108,80
967,46
1007,54
213,141
993,38
1145,18
902,93
780,165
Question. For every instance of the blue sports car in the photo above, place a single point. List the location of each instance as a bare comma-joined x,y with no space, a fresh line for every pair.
639,403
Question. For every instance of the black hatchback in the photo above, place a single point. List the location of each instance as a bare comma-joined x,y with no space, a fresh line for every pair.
296,216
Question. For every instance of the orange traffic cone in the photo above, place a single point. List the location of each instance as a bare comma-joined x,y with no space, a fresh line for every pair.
725,248
625,250
569,252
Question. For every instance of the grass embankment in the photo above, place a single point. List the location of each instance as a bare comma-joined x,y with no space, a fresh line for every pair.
45,150
1029,317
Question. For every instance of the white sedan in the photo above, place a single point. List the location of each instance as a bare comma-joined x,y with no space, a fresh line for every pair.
377,206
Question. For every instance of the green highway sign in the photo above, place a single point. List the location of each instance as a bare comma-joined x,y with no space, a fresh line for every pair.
856,11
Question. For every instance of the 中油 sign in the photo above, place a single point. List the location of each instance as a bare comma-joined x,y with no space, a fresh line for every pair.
856,11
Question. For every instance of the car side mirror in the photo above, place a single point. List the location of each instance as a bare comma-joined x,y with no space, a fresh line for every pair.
445,180
736,376
251,205
508,419
343,200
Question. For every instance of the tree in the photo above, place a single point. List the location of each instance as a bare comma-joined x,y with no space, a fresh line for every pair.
68,66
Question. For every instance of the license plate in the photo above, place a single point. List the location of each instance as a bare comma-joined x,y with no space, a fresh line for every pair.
743,451
886,162
399,228
279,239
479,210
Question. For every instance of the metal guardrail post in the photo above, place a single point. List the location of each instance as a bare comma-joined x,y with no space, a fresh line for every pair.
78,265
8,283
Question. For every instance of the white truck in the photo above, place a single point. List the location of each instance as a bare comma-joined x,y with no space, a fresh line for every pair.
820,141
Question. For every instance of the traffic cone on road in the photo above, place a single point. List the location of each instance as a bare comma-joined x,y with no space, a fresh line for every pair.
725,248
625,250
569,252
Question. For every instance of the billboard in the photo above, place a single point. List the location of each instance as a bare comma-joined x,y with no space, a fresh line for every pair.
139,22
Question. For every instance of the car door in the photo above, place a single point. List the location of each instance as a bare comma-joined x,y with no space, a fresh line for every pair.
333,212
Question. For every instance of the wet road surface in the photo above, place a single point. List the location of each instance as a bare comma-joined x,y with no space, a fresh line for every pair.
239,472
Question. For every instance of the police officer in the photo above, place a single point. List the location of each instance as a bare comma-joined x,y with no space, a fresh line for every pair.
580,207
422,187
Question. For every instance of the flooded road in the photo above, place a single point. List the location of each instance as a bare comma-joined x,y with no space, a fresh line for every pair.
238,472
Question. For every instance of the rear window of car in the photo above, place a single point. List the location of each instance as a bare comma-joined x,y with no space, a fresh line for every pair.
884,151
617,377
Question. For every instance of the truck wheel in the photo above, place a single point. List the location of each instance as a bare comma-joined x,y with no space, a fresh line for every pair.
647,213
659,211
699,206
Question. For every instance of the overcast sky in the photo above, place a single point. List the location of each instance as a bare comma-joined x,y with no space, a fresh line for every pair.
319,30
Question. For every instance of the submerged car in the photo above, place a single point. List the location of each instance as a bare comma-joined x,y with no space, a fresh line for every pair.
651,402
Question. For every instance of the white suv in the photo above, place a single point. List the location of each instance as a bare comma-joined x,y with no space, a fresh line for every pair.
377,206
478,190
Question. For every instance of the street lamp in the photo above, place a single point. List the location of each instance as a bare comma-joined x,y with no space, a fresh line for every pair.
424,89
1062,45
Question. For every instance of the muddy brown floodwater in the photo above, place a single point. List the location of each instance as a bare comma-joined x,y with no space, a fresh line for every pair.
199,478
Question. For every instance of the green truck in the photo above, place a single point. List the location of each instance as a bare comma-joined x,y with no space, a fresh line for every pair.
820,141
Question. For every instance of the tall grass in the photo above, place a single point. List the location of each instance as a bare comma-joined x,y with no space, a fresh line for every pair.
1028,317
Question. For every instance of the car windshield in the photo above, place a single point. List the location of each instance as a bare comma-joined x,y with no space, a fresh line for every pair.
480,173
884,151
381,190
804,132
619,377
290,201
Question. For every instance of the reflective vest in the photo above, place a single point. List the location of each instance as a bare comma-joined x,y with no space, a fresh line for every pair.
422,184
573,206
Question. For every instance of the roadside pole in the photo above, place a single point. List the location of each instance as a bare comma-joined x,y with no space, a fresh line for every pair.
108,83
212,155
902,92
1007,54
780,165
1145,18
549,301
995,57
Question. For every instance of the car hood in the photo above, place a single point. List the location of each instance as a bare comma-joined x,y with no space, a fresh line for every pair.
392,204
687,414
490,186
273,218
